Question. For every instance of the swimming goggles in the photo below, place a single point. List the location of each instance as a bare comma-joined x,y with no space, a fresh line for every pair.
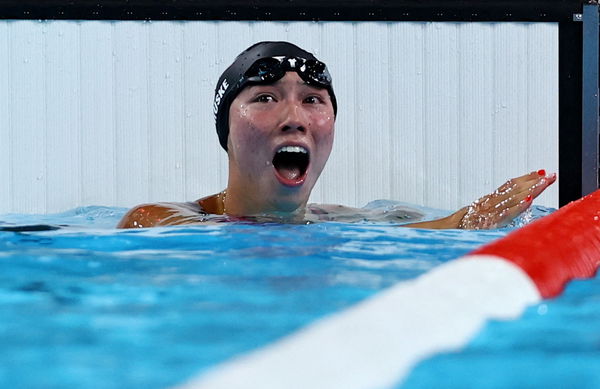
271,69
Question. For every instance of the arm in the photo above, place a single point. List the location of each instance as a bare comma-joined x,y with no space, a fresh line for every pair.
162,214
498,208
452,221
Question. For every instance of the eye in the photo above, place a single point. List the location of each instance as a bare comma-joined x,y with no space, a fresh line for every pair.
313,99
264,98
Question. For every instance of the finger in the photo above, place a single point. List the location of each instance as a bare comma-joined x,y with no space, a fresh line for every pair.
507,195
510,213
533,183
535,175
510,201
524,179
542,184
508,205
515,190
534,189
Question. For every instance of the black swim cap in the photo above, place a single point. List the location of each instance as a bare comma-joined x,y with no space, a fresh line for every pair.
265,62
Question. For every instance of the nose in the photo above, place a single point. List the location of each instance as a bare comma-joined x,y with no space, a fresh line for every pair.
294,117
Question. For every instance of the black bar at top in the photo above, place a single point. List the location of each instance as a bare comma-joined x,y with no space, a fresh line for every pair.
342,10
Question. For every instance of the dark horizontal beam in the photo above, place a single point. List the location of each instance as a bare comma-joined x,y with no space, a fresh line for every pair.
347,10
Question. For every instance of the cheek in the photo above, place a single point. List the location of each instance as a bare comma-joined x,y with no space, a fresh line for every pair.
324,127
247,127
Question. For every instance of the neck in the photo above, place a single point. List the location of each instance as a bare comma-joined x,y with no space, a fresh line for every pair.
238,202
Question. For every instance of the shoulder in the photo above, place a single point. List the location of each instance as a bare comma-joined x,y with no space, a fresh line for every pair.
161,214
332,212
384,214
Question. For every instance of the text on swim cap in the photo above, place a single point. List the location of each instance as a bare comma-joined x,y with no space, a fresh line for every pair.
219,95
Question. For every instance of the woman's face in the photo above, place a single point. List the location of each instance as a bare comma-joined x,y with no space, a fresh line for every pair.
280,136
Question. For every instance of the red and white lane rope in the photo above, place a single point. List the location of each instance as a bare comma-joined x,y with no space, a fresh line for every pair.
555,249
375,344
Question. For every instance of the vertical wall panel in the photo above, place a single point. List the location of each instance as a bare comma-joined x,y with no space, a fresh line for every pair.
510,114
542,110
28,115
475,111
119,113
306,35
338,181
5,118
271,31
130,40
203,155
165,104
98,121
406,93
63,184
440,111
372,96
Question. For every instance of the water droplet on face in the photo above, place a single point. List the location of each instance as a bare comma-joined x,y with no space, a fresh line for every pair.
243,110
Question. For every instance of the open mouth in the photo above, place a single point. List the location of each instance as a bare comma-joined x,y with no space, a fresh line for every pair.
291,163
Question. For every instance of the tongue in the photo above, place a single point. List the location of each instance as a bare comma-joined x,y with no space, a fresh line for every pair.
289,172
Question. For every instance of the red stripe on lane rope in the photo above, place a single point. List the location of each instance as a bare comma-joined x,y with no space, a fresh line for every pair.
557,248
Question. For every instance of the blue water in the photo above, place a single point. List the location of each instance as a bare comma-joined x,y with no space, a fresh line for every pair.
556,344
86,305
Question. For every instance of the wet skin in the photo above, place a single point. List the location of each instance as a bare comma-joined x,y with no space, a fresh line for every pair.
264,118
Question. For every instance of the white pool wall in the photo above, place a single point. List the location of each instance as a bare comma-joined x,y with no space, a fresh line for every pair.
119,112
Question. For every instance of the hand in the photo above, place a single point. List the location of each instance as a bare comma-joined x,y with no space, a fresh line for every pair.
507,202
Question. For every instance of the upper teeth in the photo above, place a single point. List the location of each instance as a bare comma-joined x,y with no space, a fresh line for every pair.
292,149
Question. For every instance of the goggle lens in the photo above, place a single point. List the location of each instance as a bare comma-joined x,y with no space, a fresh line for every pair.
274,68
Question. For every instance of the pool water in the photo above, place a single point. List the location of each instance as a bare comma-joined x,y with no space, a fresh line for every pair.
556,344
85,305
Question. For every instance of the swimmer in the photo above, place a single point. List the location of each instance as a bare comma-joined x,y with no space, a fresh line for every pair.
275,112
